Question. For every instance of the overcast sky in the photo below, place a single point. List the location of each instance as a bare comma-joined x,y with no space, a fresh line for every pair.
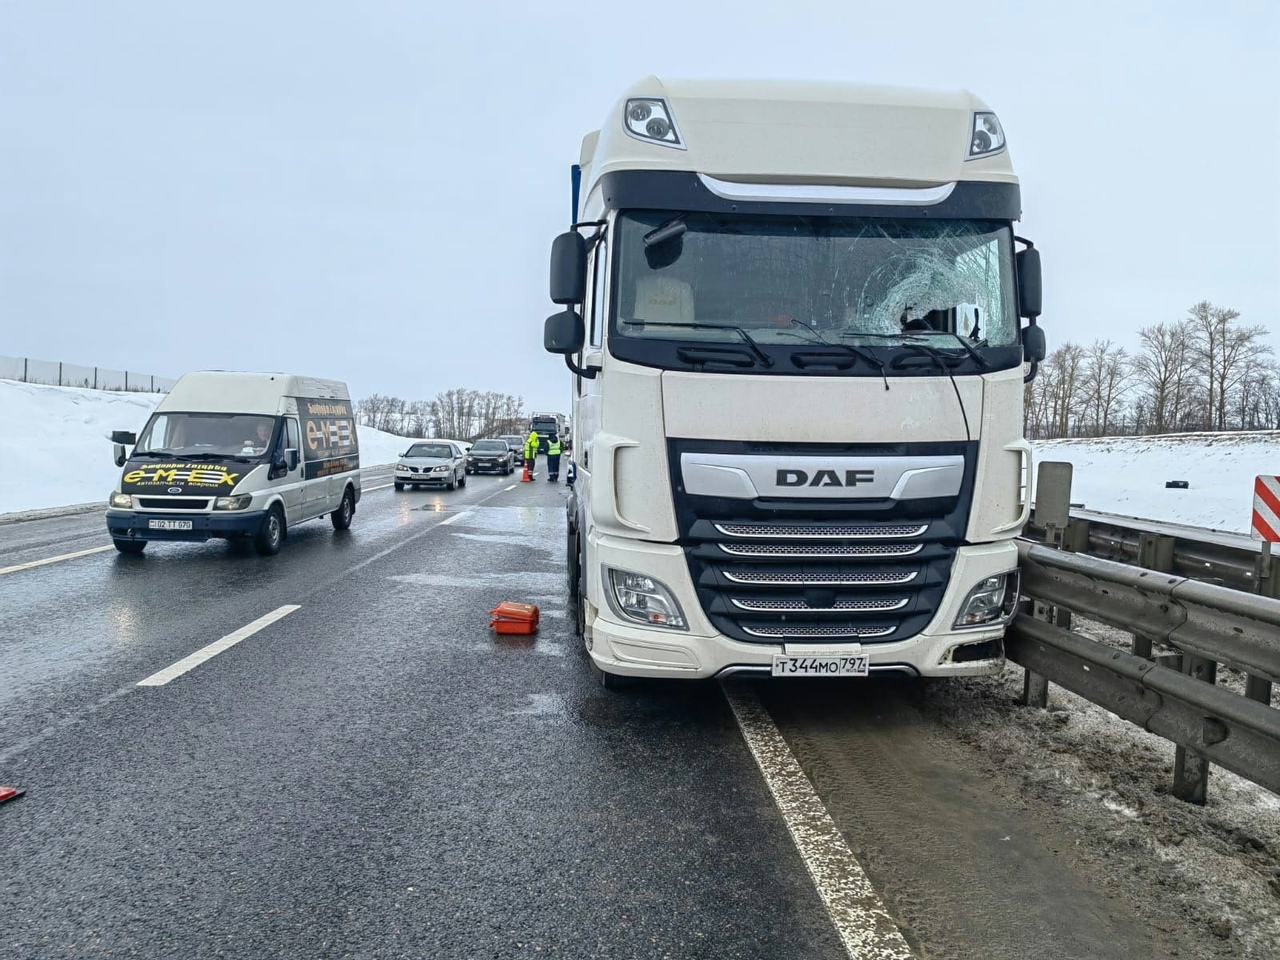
368,190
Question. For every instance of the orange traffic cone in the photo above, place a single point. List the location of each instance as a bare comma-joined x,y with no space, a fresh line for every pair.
526,478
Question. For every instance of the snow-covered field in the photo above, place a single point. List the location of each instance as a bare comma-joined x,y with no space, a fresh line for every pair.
54,449
54,452
1126,475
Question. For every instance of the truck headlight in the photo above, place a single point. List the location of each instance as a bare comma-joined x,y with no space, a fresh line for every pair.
233,503
992,601
122,500
642,599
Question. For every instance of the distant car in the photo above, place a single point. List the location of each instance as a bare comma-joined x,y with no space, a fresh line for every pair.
431,463
490,456
517,446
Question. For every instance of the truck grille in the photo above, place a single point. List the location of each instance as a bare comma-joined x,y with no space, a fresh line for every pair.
778,570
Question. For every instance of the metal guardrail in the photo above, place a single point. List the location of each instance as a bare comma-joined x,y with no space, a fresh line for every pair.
1231,559
1205,623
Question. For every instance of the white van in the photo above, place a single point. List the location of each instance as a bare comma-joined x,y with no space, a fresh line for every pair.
237,455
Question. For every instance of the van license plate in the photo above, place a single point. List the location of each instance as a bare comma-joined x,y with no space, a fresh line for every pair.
855,666
168,524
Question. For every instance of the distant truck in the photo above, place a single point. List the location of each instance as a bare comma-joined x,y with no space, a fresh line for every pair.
237,456
546,424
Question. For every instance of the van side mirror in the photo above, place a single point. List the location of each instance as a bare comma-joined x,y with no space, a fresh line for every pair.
1029,290
564,332
568,268
124,436
121,457
292,455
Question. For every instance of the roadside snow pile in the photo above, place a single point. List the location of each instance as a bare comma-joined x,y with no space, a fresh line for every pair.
1126,475
54,449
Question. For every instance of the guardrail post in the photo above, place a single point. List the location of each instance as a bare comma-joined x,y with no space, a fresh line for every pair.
1190,769
1155,552
1053,513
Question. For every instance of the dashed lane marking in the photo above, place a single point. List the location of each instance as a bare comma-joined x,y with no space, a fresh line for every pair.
371,489
860,917
47,560
217,647
512,487
456,517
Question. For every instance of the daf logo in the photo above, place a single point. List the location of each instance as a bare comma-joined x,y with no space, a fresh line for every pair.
824,478
175,489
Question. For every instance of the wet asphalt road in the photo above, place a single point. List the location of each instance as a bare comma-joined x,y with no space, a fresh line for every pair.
374,775
377,775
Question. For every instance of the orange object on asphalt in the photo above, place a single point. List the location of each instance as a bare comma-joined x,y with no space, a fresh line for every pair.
12,793
511,617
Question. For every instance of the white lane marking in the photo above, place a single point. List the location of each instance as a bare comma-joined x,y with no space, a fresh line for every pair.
512,487
371,489
58,559
860,917
218,646
457,516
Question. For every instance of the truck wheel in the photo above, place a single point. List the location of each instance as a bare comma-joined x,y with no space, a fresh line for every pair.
129,546
612,681
346,510
271,534
398,485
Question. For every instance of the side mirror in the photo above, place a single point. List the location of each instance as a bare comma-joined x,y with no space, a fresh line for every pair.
292,454
1034,348
1029,290
121,457
564,332
568,268
124,437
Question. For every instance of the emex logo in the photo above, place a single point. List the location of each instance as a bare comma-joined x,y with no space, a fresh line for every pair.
328,434
195,477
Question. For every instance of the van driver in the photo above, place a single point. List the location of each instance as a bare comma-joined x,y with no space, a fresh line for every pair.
258,445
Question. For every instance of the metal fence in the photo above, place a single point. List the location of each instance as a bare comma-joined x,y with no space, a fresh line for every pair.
1192,601
59,373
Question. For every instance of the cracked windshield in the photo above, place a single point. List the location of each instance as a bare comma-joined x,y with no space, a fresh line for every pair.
793,279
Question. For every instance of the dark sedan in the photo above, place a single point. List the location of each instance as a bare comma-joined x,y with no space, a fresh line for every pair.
490,456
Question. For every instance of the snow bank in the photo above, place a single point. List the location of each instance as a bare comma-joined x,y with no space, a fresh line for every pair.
54,449
1126,475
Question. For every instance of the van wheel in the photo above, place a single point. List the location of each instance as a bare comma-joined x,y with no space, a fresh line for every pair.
398,485
271,534
129,546
346,510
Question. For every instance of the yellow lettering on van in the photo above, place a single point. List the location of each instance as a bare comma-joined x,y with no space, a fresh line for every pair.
165,476
197,476
229,479
133,476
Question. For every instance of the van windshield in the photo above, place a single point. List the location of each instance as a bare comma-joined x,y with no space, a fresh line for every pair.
207,435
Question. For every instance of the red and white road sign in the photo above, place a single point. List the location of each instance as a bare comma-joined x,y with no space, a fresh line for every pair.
1266,509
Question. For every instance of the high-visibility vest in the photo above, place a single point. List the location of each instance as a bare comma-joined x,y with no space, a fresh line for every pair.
553,448
531,445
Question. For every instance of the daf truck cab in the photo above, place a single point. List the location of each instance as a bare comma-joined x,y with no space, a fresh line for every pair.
792,318
237,456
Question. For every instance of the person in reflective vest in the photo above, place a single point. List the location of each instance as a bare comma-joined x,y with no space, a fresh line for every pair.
531,451
553,458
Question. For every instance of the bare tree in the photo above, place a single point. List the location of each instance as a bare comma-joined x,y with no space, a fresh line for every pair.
1224,352
1161,371
1104,381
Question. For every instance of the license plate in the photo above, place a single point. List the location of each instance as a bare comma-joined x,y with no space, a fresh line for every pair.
855,666
168,524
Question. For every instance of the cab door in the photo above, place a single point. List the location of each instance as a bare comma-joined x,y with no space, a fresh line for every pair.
289,482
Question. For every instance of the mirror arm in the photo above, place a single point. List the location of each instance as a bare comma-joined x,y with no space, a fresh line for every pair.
1031,374
587,373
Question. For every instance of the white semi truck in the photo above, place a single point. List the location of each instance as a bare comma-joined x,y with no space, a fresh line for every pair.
792,318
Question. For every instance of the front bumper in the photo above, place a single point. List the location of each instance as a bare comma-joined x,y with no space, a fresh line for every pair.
128,525
488,466
630,649
424,478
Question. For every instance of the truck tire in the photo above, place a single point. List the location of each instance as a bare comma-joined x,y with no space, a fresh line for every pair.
612,681
129,546
346,510
271,534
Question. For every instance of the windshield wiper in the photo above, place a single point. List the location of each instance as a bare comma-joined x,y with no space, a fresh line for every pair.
982,362
914,341
868,358
763,357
